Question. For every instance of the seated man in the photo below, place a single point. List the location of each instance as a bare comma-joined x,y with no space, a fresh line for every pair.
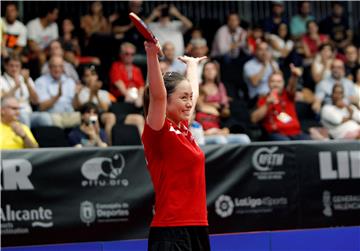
276,110
258,70
169,57
14,135
17,82
323,90
89,132
56,94
127,82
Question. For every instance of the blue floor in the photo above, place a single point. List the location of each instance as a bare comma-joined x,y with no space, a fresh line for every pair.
326,239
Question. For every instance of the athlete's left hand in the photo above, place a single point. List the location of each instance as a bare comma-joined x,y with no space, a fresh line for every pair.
188,60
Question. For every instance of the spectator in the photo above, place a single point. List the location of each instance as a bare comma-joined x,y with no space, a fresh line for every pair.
92,93
71,45
351,61
42,30
357,87
299,22
14,32
271,24
195,33
312,40
281,44
340,118
14,135
323,91
258,70
230,38
56,94
169,56
277,110
55,49
255,37
89,132
127,82
199,49
169,31
212,106
17,82
95,22
321,66
337,27
123,28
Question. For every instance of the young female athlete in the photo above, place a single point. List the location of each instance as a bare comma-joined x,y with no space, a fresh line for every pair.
175,162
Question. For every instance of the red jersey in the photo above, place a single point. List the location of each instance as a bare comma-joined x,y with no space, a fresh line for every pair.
177,169
281,118
133,78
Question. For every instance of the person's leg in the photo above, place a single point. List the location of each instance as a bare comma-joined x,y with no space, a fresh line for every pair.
40,119
199,238
109,120
238,138
169,239
277,137
301,136
215,139
137,120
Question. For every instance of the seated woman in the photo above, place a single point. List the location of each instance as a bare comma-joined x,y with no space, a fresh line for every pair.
213,104
341,119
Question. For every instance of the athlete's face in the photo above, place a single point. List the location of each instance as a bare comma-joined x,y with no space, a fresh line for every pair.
180,102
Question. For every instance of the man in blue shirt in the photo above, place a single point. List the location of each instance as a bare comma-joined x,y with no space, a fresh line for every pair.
56,92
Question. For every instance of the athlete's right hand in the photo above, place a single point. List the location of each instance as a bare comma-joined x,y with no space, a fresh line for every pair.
152,48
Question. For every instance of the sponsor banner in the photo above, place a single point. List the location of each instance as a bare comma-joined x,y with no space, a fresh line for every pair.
80,195
329,184
252,188
72,195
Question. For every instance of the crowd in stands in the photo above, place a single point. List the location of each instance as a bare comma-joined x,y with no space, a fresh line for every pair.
282,78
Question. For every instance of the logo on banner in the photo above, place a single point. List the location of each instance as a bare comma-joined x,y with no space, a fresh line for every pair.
333,203
15,174
87,212
19,221
103,212
224,206
264,160
327,204
347,167
104,172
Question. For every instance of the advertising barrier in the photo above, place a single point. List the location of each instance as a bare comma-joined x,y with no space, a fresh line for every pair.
68,195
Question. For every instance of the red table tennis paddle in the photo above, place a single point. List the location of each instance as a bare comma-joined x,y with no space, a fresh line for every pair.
142,28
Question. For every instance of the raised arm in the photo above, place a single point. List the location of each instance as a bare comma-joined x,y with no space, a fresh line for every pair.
192,76
157,105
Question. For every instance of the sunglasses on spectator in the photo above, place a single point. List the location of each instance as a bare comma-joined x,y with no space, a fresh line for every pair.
128,53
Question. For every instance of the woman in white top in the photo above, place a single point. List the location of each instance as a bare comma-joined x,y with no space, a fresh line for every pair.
341,119
320,68
281,43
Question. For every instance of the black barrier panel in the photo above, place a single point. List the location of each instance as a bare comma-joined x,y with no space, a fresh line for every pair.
252,188
72,195
330,184
85,195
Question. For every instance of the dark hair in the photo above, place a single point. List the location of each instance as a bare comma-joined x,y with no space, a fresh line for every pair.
217,66
171,80
309,22
337,85
12,3
12,57
321,47
87,107
47,8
